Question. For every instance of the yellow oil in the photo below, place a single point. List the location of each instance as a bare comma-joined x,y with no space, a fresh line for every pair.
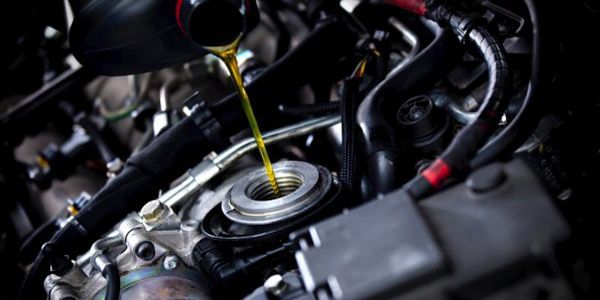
228,55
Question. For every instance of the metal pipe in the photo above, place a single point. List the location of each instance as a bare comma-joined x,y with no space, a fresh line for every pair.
213,165
111,240
410,37
164,93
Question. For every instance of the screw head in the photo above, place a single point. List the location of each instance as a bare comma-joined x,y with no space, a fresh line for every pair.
145,250
153,211
275,285
171,262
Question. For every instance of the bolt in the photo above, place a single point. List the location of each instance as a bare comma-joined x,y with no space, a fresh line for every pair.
145,250
171,262
275,285
153,211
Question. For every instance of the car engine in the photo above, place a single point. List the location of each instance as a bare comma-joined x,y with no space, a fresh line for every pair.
382,149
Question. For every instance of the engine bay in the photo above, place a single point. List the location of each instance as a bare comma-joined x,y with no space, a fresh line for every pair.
299,149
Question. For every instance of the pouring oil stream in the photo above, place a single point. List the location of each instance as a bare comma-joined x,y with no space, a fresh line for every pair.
228,55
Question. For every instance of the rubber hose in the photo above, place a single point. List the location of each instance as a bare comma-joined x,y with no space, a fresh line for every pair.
31,246
113,282
455,159
525,121
427,67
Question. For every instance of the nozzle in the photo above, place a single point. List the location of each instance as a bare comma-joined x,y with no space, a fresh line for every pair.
213,23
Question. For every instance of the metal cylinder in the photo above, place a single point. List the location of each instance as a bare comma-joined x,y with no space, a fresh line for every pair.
251,200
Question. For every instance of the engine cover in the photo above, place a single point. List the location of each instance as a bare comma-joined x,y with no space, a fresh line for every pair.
489,238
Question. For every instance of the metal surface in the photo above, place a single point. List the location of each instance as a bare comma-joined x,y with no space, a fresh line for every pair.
101,262
111,240
171,262
233,153
64,287
218,227
163,275
165,104
410,38
153,211
251,202
158,282
212,166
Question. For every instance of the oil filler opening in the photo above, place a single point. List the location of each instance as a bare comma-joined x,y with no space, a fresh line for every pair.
288,183
252,201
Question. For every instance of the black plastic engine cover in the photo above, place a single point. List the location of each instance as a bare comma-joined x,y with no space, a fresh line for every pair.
491,238
119,37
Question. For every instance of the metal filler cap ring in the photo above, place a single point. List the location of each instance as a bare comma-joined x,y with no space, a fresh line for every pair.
251,200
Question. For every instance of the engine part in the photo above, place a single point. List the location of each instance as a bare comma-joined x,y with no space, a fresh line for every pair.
251,214
468,242
423,124
157,260
140,171
226,271
170,279
458,231
211,166
455,159
380,148
251,202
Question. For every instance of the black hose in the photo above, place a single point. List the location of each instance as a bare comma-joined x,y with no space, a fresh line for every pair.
455,159
525,121
31,246
113,282
305,110
380,149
